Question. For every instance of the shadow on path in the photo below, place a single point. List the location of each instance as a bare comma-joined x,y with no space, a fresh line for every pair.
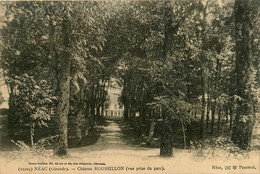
110,137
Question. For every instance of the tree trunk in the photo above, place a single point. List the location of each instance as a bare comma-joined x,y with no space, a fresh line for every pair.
63,93
142,116
79,121
151,132
189,133
32,132
226,114
80,112
166,138
213,109
63,105
219,119
169,31
98,111
92,106
215,95
208,109
231,118
203,105
11,111
102,110
243,122
184,135
166,134
87,108
126,111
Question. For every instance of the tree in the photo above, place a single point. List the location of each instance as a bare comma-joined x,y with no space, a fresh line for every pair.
243,123
45,40
63,85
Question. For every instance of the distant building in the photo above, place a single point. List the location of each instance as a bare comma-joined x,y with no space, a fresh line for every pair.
114,109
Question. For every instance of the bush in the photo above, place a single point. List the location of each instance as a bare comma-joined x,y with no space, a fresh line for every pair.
220,147
38,150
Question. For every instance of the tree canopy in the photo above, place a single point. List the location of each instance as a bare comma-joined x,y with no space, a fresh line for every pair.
178,63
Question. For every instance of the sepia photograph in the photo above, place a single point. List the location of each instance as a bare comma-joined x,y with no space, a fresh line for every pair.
130,87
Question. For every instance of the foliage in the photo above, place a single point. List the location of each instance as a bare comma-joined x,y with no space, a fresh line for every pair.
37,151
174,60
219,148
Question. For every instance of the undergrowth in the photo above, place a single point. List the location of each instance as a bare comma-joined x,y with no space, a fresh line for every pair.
37,150
221,148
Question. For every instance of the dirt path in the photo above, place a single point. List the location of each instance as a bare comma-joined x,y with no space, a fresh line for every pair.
111,150
110,139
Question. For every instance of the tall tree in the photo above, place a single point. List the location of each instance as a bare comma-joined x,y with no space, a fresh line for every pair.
243,122
63,86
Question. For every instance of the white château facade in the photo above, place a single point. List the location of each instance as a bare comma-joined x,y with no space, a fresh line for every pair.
114,109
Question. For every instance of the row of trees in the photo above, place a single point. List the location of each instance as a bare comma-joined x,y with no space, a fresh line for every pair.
54,67
179,61
190,58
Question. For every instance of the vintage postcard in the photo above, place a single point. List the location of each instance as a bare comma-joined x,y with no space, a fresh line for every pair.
118,87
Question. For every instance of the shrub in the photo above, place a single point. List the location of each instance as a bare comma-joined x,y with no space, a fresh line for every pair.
220,147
